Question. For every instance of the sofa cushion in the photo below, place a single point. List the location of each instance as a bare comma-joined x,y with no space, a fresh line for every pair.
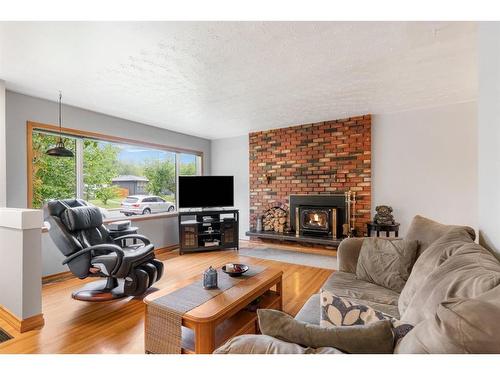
360,339
459,326
345,284
337,311
387,263
262,344
310,312
468,273
348,253
435,255
426,231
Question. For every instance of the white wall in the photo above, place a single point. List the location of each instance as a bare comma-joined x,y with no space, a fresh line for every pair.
3,148
230,157
489,135
425,162
20,258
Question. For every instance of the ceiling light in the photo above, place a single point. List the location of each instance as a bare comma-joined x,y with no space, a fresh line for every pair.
59,149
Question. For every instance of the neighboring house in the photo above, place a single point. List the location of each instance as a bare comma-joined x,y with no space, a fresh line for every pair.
134,184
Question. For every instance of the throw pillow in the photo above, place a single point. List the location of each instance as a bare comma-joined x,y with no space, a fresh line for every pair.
426,231
387,263
337,311
262,344
459,326
469,273
435,255
373,338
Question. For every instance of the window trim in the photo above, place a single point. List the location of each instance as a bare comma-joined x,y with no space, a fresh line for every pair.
33,126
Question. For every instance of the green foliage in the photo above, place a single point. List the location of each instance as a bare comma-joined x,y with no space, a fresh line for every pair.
187,169
161,175
53,177
127,168
112,203
105,193
100,167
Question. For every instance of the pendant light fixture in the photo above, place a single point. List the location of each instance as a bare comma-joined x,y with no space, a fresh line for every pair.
59,150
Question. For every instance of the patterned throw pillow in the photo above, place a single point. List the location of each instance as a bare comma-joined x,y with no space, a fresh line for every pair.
337,311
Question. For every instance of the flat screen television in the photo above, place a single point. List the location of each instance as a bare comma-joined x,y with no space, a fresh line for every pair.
206,191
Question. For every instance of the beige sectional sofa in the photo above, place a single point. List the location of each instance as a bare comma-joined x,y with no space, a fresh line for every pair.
452,297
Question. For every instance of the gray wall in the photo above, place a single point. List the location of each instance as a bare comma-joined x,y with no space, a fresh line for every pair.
489,135
230,157
21,108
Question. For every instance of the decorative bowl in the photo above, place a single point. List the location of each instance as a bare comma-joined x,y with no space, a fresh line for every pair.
242,269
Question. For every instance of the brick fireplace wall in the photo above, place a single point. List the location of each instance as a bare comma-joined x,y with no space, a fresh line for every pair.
321,158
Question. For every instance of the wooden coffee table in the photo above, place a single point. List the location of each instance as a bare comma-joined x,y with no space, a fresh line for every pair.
211,324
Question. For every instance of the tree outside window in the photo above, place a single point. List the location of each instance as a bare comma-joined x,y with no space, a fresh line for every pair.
109,172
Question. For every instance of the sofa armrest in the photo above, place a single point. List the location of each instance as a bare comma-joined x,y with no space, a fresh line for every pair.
348,253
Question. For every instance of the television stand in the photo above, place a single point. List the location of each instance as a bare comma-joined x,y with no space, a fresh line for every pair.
208,229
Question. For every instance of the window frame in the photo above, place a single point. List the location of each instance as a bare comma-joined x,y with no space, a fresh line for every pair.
81,134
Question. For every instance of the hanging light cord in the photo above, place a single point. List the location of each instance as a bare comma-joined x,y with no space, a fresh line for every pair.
60,116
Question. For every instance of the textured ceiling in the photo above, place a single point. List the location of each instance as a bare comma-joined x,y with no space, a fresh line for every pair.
222,79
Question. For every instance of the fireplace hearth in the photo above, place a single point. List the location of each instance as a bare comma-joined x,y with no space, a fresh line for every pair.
314,219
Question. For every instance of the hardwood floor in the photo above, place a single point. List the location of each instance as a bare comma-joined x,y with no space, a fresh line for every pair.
117,326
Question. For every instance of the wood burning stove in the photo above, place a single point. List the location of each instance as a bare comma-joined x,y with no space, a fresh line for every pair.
317,215
316,221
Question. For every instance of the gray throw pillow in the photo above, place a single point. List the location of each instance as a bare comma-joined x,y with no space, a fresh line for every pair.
262,344
434,256
387,263
469,272
426,231
459,326
338,312
373,338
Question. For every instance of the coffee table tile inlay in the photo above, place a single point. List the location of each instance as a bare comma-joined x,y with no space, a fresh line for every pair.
211,324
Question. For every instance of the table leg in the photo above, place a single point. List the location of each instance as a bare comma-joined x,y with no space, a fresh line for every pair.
397,233
204,338
387,233
378,233
279,290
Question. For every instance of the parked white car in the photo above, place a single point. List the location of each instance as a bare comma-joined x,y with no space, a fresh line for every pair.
145,205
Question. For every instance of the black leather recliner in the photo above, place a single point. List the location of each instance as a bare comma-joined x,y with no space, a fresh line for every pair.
77,230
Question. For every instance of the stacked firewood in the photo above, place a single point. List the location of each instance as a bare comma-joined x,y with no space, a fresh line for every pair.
274,219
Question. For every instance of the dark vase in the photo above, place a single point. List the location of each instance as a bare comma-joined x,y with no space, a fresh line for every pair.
210,278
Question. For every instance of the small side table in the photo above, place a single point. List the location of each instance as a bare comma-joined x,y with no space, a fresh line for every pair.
118,233
387,228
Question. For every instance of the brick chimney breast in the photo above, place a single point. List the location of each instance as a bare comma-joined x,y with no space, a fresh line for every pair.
321,158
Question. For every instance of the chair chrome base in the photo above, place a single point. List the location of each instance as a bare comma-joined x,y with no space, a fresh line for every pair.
102,290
